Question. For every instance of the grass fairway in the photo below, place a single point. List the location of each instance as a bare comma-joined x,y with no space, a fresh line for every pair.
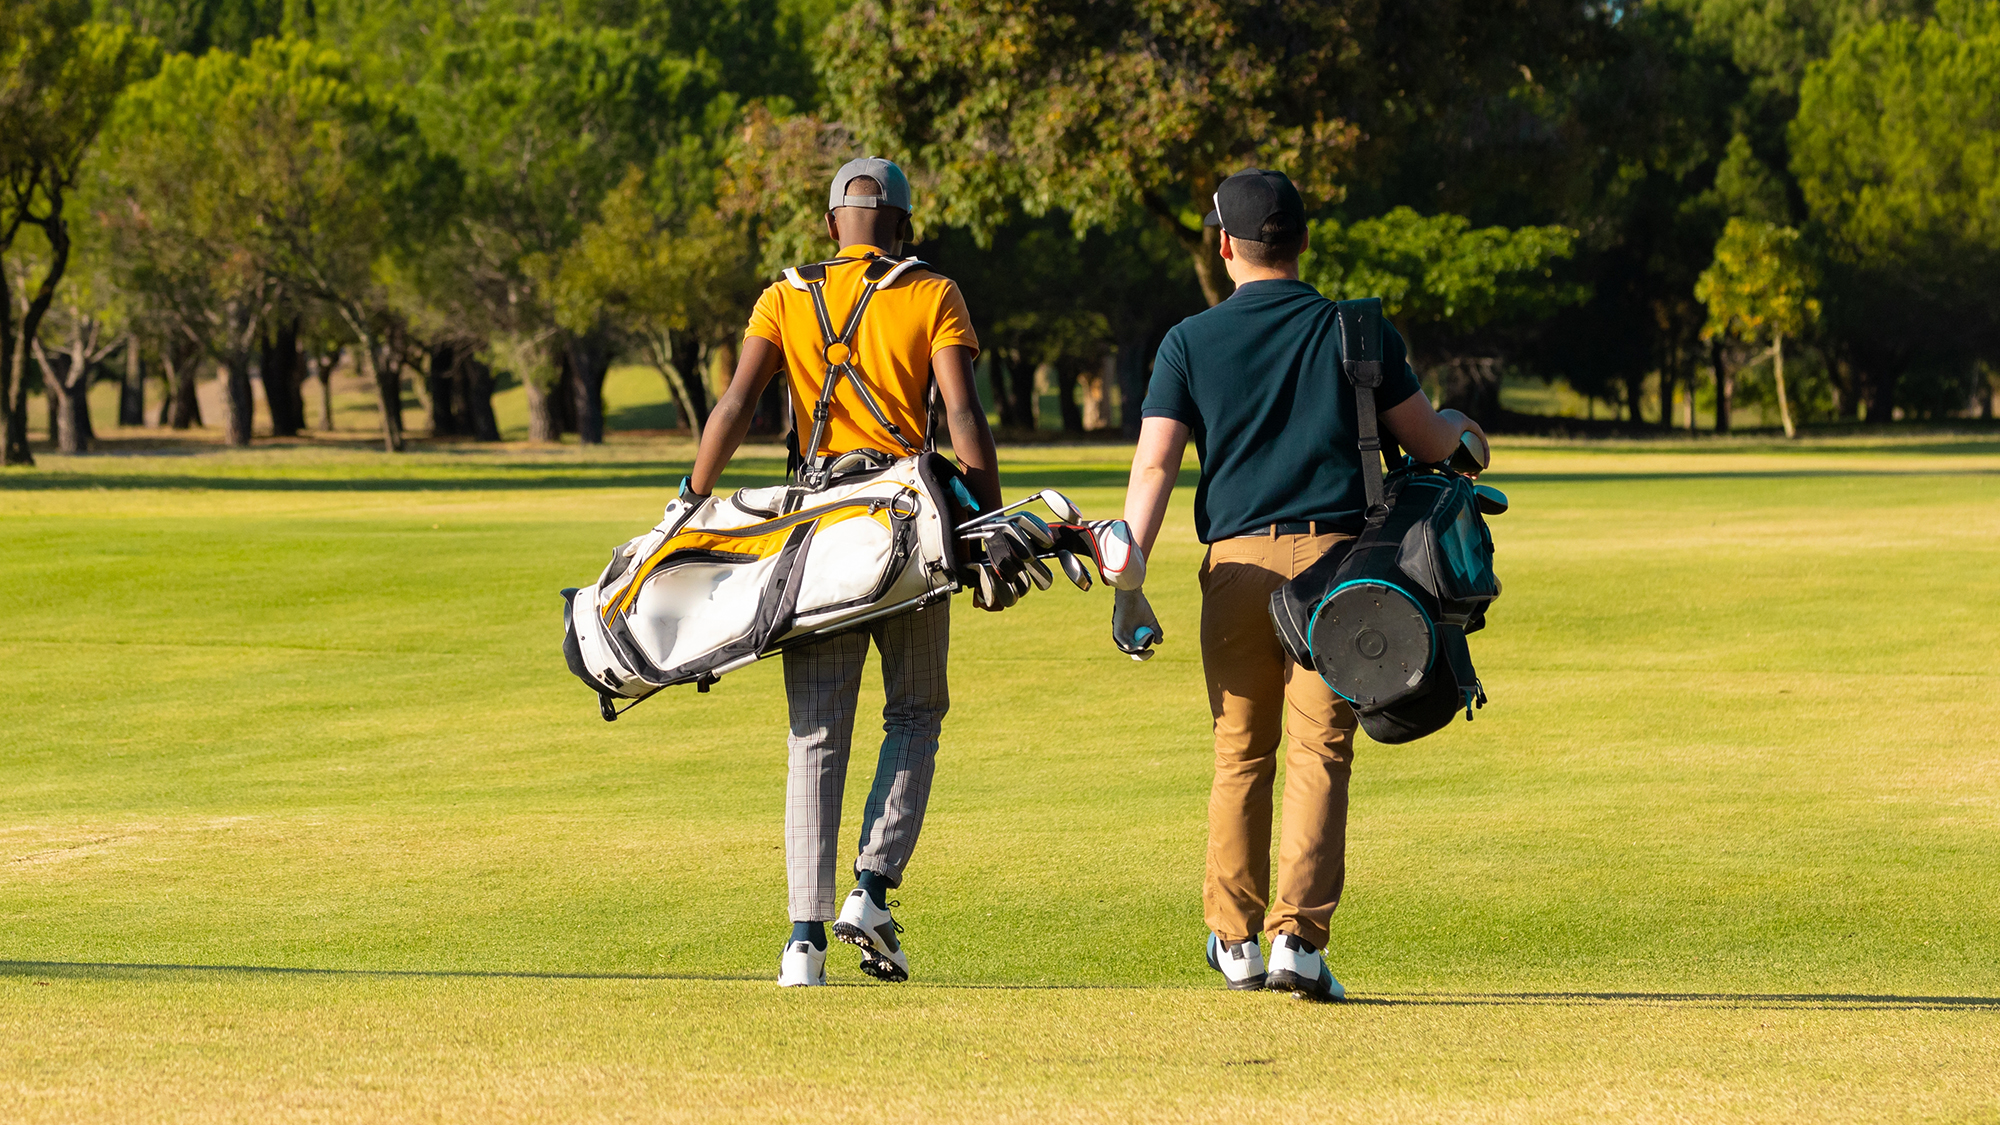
304,820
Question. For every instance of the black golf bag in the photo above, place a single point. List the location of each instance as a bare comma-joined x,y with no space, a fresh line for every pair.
1383,619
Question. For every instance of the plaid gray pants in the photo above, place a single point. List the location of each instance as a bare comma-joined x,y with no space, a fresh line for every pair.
822,684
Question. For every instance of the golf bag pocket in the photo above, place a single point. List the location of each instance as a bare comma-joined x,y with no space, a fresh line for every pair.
685,605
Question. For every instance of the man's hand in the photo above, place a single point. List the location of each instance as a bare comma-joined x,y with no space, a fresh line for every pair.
683,508
1134,629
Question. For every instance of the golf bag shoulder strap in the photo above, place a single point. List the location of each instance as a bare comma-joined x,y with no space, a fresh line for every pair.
1360,323
837,349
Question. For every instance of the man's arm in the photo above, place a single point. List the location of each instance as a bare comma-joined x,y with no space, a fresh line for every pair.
729,422
1156,465
965,418
1427,434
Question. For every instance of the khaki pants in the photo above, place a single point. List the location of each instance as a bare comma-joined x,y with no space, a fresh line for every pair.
1257,694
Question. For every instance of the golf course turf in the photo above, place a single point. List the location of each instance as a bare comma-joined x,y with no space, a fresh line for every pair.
304,820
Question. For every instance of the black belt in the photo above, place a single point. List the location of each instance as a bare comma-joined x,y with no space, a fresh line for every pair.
1293,527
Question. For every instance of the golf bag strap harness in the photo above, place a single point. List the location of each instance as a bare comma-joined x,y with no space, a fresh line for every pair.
837,349
1361,359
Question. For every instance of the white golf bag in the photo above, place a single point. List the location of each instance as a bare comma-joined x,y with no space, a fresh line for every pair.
767,566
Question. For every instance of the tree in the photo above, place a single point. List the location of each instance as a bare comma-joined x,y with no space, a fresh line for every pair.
277,180
1445,284
673,285
544,119
1897,150
59,77
1101,110
1759,289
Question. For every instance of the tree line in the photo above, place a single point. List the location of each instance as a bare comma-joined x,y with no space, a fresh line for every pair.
446,195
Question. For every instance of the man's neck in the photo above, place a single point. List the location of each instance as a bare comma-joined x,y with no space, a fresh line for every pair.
868,244
1243,274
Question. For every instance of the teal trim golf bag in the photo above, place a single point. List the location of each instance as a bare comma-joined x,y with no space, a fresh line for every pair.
1383,619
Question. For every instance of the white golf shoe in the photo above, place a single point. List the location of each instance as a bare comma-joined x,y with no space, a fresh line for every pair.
864,924
1241,965
801,965
1298,968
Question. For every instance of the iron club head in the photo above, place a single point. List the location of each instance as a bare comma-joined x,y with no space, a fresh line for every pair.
1065,511
1074,570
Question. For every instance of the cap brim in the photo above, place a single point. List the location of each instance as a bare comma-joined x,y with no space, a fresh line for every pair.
1212,219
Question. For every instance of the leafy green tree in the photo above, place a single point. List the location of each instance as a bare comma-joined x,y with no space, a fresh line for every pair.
1445,283
1897,149
673,285
1101,110
1759,290
271,177
59,78
544,118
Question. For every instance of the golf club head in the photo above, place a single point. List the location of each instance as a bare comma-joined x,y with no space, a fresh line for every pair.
1038,573
985,595
1489,500
1074,570
1034,530
1065,511
1472,455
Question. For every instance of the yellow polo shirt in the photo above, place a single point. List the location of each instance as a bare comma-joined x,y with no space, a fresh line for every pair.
904,325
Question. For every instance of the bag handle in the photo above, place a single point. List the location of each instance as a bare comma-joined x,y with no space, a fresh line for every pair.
1361,361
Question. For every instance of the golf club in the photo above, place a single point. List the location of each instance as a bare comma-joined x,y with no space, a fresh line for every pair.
1074,570
1059,505
1489,500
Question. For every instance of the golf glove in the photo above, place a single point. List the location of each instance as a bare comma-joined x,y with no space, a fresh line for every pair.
1134,629
683,508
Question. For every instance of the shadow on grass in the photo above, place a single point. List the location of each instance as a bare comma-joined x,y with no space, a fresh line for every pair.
1572,477
91,970
1833,1001
496,478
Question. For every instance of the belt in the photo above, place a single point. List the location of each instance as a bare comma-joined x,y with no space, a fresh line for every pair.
1294,527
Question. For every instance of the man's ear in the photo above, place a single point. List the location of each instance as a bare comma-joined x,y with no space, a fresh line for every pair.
833,228
904,231
1228,247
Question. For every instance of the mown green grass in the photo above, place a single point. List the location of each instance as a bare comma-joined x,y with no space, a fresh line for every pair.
303,820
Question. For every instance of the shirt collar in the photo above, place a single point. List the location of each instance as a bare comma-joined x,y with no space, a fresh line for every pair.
859,251
1272,285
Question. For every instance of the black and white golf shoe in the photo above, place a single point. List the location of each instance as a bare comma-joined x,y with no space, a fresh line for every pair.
802,964
1298,968
1241,965
864,924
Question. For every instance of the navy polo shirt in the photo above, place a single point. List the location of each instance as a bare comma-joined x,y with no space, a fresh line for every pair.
1257,380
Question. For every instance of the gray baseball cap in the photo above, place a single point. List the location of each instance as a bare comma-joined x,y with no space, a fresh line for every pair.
895,185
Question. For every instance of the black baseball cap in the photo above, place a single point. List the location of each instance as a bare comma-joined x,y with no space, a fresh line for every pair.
1254,198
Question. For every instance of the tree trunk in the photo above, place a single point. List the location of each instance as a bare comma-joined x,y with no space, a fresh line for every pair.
69,402
446,415
589,359
278,369
1066,404
182,362
388,381
1725,386
237,396
1881,394
544,424
1027,403
132,390
322,372
474,382
1778,369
